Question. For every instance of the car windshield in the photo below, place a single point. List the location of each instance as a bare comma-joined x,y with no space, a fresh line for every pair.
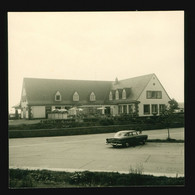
122,134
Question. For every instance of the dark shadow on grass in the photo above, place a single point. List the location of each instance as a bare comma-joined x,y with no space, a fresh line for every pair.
165,140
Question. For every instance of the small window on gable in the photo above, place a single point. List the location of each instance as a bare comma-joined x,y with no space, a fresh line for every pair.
58,96
92,96
154,94
110,95
75,96
124,94
116,95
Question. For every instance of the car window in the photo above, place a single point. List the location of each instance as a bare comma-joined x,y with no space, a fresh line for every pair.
118,135
124,134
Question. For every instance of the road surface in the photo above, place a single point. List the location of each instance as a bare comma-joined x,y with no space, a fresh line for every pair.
89,152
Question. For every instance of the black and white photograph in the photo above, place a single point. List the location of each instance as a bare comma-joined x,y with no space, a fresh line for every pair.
96,99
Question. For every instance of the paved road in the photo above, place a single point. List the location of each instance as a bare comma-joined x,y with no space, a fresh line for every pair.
89,152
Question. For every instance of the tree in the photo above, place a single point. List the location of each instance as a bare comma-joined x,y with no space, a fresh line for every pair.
167,115
173,104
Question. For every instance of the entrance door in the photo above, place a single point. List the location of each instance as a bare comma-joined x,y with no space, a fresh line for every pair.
107,110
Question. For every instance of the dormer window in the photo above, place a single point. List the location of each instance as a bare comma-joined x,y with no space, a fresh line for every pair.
58,96
75,96
92,96
116,95
110,95
124,94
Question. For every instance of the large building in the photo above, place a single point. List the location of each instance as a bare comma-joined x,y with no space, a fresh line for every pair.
142,95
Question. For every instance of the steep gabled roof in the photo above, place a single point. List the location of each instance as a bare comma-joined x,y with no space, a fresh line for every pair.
42,91
137,85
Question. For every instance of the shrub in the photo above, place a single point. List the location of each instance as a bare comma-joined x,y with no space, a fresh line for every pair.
20,179
34,178
106,122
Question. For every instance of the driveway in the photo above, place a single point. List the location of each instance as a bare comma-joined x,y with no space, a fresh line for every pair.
89,152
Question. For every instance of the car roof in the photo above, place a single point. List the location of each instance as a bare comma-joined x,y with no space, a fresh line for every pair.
126,131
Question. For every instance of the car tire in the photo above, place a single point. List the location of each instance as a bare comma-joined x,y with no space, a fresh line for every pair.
143,142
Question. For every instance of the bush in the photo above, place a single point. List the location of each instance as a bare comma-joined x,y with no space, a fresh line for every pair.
34,178
20,179
106,122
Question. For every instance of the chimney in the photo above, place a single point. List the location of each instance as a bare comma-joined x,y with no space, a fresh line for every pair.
116,82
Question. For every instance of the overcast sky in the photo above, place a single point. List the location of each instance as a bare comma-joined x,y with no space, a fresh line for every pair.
96,46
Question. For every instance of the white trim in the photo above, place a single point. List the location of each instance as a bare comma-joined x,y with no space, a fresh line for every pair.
92,96
124,94
75,96
117,95
110,95
58,94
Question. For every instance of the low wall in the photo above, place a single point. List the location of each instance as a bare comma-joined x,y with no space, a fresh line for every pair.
57,116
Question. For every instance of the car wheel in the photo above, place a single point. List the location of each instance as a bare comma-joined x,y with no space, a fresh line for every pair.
143,142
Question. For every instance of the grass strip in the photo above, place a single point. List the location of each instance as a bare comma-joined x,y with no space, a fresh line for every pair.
19,178
166,140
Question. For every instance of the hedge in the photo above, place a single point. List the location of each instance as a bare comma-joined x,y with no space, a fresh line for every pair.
83,130
142,122
67,131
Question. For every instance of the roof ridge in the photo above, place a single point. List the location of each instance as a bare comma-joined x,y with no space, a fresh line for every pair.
138,76
66,79
85,79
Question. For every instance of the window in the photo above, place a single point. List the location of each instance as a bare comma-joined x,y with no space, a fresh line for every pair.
92,96
125,109
120,109
58,96
130,109
110,95
154,94
124,94
154,109
116,95
159,94
161,108
75,96
146,109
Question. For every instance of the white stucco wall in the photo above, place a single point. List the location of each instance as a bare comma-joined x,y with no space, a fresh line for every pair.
114,110
143,97
24,110
38,111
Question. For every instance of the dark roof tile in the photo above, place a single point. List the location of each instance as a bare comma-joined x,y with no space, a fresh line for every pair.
44,90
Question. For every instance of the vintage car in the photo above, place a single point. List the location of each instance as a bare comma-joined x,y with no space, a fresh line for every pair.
126,138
